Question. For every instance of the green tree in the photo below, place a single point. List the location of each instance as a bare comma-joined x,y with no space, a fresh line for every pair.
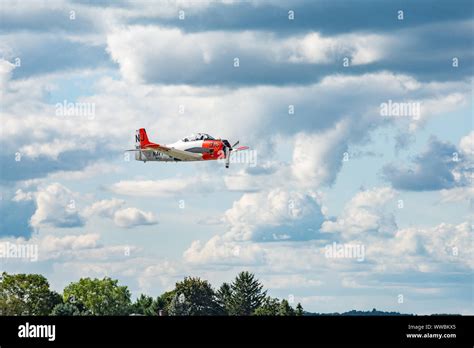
179,306
66,309
163,302
99,296
26,294
224,297
299,310
193,296
285,309
247,294
145,305
270,306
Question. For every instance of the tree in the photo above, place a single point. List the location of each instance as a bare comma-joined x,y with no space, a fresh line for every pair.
193,296
26,294
285,309
270,306
299,310
247,294
163,302
145,305
179,306
224,296
66,309
99,297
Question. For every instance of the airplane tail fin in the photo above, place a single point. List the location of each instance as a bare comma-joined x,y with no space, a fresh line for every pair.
141,138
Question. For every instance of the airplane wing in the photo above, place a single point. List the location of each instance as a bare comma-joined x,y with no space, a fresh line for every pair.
178,154
172,152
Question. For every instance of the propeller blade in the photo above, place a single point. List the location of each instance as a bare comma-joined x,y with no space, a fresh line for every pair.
227,156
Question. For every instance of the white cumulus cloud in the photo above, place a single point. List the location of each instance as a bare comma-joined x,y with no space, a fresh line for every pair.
366,212
131,217
56,206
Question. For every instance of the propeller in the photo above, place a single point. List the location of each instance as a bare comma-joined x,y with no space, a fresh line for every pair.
227,150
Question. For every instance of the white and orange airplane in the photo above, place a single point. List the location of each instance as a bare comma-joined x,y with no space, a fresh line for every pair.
197,147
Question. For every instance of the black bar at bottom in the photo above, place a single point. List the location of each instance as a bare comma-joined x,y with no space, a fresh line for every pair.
411,330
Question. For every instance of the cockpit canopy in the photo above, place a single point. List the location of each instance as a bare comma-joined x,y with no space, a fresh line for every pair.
198,136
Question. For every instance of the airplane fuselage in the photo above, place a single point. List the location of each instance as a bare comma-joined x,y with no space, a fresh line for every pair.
205,150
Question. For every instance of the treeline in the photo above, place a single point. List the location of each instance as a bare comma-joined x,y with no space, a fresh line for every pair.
372,313
30,294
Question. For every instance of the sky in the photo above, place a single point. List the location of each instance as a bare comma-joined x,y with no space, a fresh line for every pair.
356,192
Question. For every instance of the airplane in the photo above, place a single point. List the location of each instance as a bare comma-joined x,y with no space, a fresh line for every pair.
196,147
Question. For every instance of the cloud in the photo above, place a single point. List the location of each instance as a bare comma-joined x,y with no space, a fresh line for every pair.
38,18
365,214
210,221
69,144
261,55
56,144
21,196
90,171
314,48
308,42
6,69
52,244
41,167
56,250
430,251
218,250
433,249
252,179
103,259
290,281
158,188
457,194
104,208
442,249
270,215
277,214
466,144
132,217
439,104
317,158
122,217
333,18
53,149
55,207
267,58
440,166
